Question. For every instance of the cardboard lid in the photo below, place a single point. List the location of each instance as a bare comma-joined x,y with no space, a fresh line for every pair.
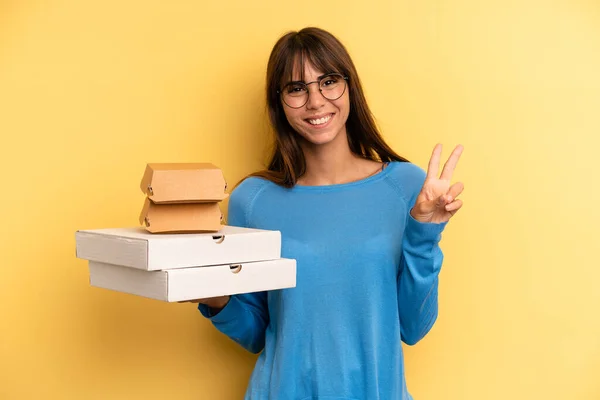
175,218
183,183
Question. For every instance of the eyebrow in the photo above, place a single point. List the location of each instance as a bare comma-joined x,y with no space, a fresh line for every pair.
318,79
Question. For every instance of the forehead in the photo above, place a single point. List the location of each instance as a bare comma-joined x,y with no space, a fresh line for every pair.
306,72
307,66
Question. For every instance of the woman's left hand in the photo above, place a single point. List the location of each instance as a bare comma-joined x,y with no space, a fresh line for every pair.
437,202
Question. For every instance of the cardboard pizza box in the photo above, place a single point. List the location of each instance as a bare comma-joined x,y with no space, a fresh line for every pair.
135,247
195,283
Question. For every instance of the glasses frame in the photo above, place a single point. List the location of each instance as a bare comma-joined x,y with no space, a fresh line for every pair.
305,85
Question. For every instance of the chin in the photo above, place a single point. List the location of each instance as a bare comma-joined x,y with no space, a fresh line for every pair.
320,138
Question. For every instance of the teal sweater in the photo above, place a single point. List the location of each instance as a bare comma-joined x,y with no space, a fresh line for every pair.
367,279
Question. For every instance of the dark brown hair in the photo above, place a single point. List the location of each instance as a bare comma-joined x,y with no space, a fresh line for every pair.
327,54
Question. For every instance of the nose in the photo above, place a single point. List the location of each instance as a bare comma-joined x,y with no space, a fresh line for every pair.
315,98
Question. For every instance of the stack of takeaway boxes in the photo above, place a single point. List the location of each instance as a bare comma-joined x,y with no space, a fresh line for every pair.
182,251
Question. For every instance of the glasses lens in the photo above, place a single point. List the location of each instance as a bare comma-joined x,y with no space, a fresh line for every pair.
333,86
295,94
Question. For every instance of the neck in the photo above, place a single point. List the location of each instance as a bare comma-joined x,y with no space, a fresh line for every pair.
330,163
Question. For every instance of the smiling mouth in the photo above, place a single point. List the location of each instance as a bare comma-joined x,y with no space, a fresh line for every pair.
319,121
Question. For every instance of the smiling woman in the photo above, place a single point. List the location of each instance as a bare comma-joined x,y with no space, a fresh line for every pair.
90,91
362,223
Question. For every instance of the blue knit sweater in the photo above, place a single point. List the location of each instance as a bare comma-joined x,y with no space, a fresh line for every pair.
367,279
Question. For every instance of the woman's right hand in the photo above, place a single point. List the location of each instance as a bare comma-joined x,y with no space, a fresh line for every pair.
215,303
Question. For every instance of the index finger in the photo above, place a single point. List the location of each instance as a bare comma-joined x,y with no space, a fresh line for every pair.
450,165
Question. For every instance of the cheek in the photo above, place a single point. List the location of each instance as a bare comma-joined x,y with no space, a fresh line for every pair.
289,115
294,118
343,105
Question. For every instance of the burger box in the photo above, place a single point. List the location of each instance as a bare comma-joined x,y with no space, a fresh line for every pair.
183,183
137,248
180,217
195,283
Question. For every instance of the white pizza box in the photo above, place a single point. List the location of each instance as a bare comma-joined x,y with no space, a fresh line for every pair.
137,248
195,283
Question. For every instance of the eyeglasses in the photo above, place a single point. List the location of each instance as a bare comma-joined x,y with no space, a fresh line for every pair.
295,94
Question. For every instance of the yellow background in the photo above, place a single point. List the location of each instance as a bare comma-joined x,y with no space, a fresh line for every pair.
90,91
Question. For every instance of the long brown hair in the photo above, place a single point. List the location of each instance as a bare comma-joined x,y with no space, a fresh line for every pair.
326,53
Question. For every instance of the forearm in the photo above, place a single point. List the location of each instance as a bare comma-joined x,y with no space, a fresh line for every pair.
243,319
418,280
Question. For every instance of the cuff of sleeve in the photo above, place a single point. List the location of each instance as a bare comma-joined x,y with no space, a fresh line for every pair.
227,313
419,233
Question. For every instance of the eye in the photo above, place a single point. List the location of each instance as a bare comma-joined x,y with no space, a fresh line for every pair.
329,80
295,88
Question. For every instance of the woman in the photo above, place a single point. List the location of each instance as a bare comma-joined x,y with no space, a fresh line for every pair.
363,224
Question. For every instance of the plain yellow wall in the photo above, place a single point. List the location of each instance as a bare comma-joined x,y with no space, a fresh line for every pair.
90,91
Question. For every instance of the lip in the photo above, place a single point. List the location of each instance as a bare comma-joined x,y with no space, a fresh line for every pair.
318,117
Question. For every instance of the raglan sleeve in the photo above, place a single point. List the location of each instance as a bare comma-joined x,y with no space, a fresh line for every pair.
421,262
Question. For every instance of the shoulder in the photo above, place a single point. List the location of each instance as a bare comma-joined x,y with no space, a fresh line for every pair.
248,189
250,186
242,199
406,177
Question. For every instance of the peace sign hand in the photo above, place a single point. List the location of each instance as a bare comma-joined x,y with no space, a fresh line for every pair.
437,201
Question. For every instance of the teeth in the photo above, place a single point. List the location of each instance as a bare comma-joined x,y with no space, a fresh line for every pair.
319,121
